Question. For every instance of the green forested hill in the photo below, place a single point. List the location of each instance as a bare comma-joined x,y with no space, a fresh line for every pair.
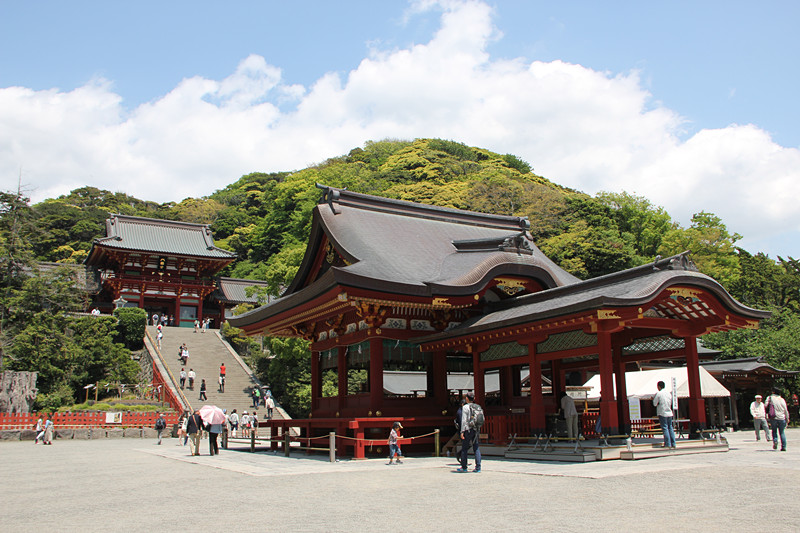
265,219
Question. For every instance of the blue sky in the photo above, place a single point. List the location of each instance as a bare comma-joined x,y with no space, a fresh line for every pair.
691,104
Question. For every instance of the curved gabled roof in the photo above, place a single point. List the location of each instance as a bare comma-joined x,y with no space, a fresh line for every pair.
425,250
131,233
410,249
627,288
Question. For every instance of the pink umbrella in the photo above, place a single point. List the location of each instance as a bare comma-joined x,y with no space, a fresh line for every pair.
211,414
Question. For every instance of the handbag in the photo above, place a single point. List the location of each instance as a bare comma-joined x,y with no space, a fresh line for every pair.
771,410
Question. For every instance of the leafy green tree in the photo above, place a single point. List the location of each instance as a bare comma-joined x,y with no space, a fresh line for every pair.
638,218
761,282
132,325
590,244
287,369
197,210
711,244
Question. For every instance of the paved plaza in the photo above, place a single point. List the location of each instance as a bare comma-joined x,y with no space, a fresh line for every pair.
135,485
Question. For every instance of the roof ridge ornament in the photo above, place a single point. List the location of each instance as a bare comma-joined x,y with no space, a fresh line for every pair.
516,243
680,261
329,196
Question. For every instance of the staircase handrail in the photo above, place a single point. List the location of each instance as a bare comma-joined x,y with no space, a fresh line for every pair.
174,382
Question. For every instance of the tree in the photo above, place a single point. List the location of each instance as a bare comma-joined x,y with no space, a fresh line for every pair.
638,218
288,371
711,244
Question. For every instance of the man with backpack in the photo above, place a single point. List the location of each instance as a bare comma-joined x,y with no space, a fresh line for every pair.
778,414
471,421
161,425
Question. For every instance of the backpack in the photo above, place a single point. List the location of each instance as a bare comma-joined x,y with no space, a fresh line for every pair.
476,418
160,423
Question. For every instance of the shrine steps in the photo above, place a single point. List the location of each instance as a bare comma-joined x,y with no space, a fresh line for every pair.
207,350
594,450
562,455
683,448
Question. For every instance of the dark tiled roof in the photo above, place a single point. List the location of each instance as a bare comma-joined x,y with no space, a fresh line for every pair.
232,290
747,365
421,248
413,249
161,236
627,288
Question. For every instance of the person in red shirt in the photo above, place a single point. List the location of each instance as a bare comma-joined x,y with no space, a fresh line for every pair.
222,369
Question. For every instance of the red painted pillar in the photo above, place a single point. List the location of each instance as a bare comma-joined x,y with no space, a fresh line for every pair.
608,405
478,379
537,418
341,371
376,374
558,378
697,407
622,390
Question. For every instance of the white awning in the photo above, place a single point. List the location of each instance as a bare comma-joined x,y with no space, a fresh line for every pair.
642,384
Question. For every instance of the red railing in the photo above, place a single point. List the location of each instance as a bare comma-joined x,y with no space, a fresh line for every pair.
85,419
165,392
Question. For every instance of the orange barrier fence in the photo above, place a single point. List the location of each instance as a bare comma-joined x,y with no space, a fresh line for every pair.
80,419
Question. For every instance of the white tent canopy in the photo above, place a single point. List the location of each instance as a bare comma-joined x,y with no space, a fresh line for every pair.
642,384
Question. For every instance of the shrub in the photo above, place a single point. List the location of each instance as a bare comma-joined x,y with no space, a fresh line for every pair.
132,324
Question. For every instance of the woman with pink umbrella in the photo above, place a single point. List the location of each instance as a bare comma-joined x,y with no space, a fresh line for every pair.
213,417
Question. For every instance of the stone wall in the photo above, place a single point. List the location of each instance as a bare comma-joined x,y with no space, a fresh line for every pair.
84,434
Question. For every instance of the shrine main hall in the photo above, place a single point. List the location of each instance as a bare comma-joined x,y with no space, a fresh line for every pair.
401,288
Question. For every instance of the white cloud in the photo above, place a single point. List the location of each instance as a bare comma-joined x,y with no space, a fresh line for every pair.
581,128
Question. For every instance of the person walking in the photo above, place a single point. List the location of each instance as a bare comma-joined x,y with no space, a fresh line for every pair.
183,377
245,423
194,427
469,432
759,413
158,339
203,390
233,420
182,435
254,423
221,381
662,401
191,376
270,406
256,397
213,432
394,448
161,425
39,430
48,431
778,413
570,416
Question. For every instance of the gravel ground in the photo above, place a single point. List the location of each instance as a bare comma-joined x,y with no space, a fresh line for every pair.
135,485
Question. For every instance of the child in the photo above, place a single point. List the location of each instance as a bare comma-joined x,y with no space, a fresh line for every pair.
394,448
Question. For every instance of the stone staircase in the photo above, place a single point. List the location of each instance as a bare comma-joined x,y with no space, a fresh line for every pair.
207,350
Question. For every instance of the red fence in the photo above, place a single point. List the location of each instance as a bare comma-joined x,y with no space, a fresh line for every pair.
498,428
80,419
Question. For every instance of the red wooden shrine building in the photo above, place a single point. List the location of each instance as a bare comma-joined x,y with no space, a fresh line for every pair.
394,285
165,267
